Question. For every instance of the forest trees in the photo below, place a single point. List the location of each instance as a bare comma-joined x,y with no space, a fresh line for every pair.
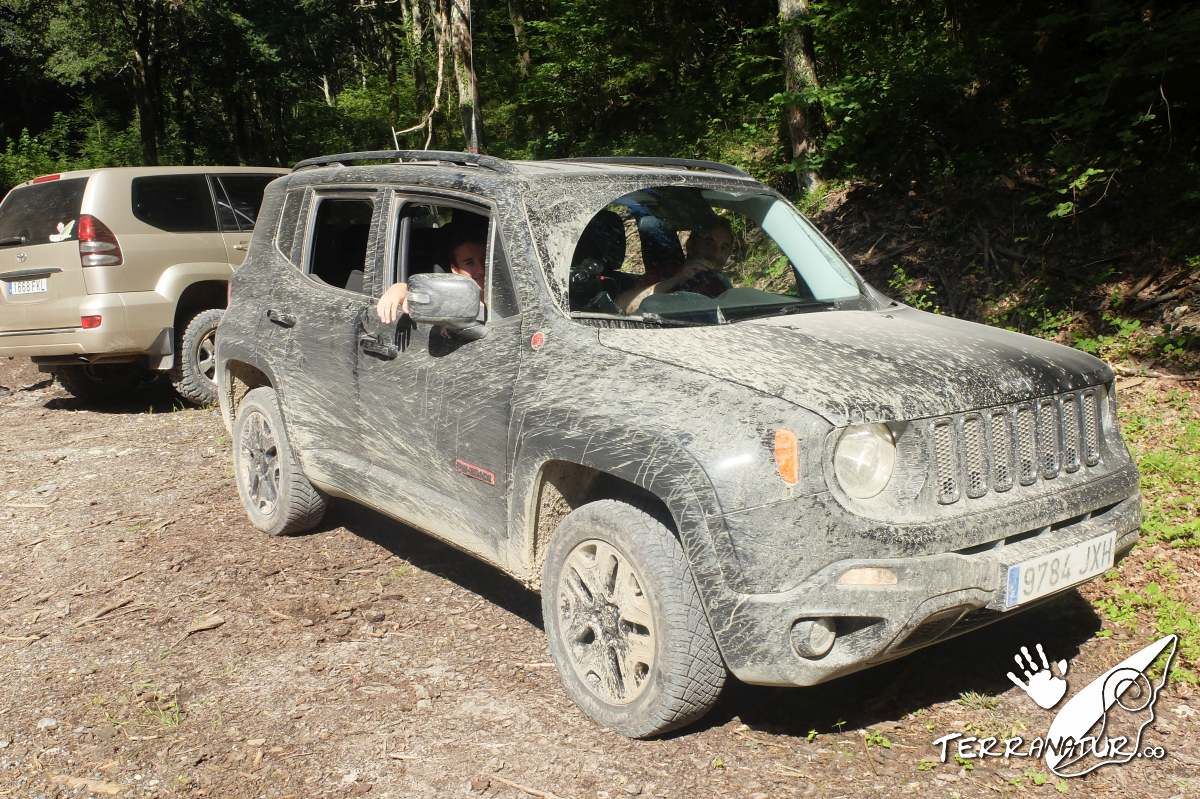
452,33
1079,104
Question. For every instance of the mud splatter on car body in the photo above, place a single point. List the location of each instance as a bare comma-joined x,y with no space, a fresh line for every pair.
488,441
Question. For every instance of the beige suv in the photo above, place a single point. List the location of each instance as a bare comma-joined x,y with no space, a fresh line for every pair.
109,276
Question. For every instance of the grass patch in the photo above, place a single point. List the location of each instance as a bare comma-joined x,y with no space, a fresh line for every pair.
978,701
876,739
1162,428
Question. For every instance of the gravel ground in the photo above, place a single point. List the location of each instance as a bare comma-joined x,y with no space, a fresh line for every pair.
152,643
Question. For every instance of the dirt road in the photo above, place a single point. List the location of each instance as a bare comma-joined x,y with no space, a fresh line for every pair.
153,644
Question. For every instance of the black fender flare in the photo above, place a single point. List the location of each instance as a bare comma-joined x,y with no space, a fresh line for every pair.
666,470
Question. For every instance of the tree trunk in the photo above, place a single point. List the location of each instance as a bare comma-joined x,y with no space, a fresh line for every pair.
799,73
416,41
147,110
141,25
516,14
464,74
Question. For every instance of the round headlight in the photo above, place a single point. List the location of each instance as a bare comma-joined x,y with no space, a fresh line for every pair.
864,458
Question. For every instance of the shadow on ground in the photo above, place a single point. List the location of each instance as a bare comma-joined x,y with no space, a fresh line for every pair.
977,661
428,553
154,397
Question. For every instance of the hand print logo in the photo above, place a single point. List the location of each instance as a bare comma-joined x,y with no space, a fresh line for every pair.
1045,687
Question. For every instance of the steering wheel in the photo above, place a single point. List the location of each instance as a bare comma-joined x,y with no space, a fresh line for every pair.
708,282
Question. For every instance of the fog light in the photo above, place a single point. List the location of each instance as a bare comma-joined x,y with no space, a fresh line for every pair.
89,322
813,638
868,575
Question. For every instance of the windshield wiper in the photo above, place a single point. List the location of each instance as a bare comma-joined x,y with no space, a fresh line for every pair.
659,319
7,240
781,310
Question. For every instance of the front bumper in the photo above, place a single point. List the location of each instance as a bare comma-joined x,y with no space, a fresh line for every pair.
935,597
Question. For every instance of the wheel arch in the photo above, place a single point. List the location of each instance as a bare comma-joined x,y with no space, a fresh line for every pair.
668,483
237,376
199,296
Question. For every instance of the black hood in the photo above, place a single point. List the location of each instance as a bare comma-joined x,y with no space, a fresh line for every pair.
852,366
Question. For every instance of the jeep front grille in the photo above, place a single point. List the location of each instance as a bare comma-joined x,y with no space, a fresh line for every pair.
993,450
1091,428
1002,451
945,460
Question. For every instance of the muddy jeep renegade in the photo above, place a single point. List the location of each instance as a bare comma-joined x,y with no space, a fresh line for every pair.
109,276
789,477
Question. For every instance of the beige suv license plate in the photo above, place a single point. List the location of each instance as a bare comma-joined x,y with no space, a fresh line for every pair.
1037,577
19,287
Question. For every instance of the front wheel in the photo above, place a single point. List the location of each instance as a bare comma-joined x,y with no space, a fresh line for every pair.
276,495
625,624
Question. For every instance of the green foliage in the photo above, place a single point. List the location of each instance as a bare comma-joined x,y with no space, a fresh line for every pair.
1117,345
24,158
1169,613
1165,438
917,292
1170,473
977,701
1088,101
877,740
70,143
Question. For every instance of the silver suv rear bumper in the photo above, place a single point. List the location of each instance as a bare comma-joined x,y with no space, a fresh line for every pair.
132,324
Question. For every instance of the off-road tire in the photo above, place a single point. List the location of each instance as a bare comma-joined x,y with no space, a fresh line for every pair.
103,383
298,506
195,356
688,673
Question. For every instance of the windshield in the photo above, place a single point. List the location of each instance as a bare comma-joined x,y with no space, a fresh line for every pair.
690,255
41,213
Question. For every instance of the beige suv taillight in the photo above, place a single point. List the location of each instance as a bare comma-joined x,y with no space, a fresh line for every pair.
98,245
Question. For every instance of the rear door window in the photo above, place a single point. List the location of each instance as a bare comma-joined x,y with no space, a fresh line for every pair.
337,252
176,203
244,194
41,213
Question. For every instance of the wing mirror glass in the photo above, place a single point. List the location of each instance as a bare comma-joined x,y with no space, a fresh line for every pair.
449,300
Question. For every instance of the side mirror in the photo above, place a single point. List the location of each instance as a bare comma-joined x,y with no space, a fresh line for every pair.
449,300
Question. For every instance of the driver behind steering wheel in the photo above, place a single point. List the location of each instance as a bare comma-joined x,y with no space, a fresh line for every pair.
708,250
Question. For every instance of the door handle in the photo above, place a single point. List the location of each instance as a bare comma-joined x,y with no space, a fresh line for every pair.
373,346
242,246
280,318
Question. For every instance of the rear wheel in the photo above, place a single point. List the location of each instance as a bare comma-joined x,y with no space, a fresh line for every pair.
101,383
277,497
625,624
195,374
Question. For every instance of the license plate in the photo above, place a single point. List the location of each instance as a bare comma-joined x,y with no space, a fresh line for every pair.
18,287
1051,572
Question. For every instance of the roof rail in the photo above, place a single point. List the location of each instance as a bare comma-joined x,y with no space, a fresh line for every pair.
640,160
446,156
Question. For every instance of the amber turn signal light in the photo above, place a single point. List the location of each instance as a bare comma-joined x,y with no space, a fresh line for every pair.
787,456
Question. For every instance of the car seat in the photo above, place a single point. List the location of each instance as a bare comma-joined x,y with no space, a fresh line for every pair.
661,249
600,252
